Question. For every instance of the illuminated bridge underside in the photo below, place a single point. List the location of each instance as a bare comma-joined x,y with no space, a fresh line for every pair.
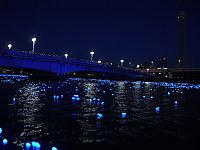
60,65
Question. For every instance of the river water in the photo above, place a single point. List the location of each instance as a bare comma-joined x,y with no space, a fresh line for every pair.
99,114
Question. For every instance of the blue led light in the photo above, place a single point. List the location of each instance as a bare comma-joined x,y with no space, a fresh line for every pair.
54,148
35,145
123,115
5,141
76,95
157,109
28,145
76,98
99,116
1,130
168,93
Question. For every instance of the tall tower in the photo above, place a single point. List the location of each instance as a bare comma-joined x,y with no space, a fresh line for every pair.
181,56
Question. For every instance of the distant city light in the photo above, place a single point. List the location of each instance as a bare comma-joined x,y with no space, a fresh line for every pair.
99,61
179,61
138,66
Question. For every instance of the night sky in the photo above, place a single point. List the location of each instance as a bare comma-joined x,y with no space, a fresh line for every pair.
136,31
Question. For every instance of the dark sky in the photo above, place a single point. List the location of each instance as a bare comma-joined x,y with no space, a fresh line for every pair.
137,30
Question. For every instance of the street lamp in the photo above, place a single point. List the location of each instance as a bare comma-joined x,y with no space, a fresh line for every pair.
33,40
66,55
99,61
122,61
9,46
91,53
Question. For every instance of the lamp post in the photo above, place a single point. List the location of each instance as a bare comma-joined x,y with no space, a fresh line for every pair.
66,55
9,46
33,40
99,61
91,53
122,61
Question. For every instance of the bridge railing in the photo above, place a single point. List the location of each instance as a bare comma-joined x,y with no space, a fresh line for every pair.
62,59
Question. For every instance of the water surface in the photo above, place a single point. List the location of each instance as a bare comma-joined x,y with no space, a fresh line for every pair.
92,114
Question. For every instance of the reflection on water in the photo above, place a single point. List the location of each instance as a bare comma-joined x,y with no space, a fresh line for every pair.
27,109
90,105
99,111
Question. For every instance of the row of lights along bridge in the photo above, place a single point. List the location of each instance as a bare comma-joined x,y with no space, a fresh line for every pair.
141,66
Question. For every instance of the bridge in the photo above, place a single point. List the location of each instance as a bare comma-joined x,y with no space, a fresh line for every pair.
60,65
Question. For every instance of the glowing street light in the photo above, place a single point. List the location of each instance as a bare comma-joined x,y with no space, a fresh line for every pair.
122,61
179,61
99,61
66,55
33,40
138,66
9,46
91,53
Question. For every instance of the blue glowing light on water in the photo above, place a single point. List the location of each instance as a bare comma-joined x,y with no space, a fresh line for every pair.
5,141
157,109
28,145
99,115
36,145
123,115
122,108
54,148
1,130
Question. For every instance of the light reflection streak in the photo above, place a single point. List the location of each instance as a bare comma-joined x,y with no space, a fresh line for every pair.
90,125
28,111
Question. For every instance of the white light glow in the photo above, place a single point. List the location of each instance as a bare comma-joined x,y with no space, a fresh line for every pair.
9,46
33,39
